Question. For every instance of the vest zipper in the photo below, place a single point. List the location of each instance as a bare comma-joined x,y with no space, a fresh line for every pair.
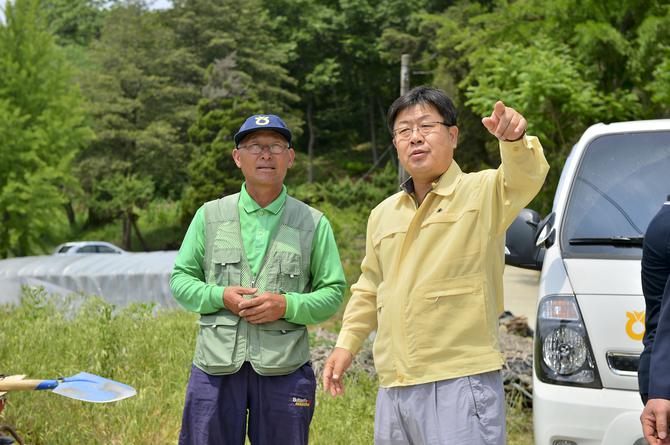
248,353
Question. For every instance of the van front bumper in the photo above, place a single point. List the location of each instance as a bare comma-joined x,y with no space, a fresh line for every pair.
585,416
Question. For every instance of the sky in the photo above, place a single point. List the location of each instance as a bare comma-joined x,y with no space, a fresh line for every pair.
162,4
156,4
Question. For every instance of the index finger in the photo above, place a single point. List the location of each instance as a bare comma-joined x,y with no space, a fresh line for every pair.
250,303
338,372
499,109
332,375
246,290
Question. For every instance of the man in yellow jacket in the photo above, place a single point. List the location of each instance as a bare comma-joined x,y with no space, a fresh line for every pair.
431,279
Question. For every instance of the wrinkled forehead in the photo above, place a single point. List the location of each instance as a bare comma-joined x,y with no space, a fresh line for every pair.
423,111
265,136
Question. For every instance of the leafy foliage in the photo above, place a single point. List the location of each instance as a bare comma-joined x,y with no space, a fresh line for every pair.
42,127
166,91
75,22
142,102
565,65
244,75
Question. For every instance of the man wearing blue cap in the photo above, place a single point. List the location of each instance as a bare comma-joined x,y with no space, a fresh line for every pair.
257,266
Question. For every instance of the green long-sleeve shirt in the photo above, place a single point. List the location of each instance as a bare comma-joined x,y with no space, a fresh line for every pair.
258,226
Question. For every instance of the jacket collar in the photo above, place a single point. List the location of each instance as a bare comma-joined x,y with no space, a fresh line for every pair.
444,185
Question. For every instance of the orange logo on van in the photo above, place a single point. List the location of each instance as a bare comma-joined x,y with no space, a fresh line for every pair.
635,325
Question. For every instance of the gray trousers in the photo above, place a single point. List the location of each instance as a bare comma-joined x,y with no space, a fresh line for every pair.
462,411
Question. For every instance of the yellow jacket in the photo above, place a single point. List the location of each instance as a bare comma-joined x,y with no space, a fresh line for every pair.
431,279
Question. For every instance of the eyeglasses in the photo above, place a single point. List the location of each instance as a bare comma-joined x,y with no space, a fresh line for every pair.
256,149
425,128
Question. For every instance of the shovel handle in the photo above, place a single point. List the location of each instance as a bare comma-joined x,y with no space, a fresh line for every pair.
27,385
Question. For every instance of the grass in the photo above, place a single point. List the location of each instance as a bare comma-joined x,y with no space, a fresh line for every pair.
519,420
150,350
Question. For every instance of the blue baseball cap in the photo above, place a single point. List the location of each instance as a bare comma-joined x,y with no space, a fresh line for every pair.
263,122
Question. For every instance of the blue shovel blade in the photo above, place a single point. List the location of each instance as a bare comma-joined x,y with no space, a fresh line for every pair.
93,388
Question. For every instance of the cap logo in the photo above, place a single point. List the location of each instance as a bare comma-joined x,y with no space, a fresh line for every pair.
262,120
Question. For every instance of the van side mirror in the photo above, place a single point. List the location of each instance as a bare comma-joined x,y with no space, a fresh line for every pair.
520,241
545,234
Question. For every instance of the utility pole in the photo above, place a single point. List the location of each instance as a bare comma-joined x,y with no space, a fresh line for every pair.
405,61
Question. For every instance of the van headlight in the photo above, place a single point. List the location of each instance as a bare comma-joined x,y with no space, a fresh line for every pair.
562,351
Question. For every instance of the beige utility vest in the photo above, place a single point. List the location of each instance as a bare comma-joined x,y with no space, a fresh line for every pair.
225,341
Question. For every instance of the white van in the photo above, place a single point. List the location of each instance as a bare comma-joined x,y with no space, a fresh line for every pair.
590,312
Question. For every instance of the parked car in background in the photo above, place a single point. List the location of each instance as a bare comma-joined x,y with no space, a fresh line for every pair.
590,308
76,247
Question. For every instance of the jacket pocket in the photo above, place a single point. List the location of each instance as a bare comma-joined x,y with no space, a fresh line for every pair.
227,266
380,312
458,232
383,349
216,340
284,346
449,320
451,216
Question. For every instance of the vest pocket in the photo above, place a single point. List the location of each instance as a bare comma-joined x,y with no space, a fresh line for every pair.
215,343
289,272
284,346
227,266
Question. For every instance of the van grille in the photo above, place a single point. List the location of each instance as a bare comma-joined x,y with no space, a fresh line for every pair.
623,363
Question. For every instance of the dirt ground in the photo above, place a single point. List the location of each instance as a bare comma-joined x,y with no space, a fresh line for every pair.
521,286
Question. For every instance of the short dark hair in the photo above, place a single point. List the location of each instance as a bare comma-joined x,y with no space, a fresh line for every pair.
423,95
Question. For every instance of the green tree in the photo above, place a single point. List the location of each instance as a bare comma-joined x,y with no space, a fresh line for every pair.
245,36
243,64
555,99
143,99
313,28
347,64
354,107
74,21
42,127
650,62
564,64
122,196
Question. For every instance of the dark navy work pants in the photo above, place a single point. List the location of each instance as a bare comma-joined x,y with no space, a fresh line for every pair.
279,408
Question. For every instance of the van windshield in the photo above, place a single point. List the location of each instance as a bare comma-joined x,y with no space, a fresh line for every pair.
621,182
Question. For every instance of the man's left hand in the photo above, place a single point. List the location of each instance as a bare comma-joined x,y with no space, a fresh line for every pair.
654,420
505,123
264,308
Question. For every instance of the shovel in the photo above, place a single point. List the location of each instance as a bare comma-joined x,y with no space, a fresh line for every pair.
83,386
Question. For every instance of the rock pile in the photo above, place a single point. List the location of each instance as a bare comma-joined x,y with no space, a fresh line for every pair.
325,340
517,372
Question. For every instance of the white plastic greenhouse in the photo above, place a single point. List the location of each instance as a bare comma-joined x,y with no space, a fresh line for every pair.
119,279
